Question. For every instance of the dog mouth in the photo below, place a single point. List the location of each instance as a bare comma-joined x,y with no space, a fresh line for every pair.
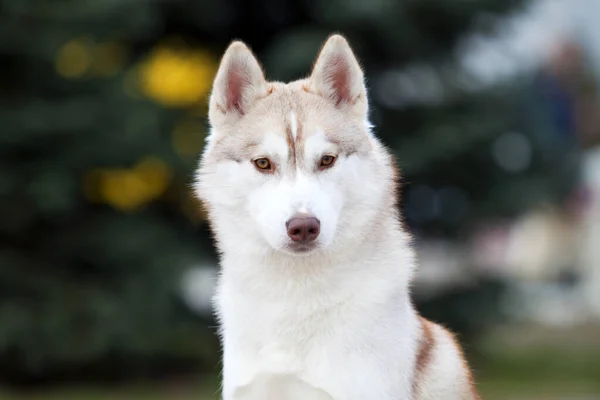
301,248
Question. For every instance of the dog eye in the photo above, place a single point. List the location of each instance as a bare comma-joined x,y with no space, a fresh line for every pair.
327,161
263,164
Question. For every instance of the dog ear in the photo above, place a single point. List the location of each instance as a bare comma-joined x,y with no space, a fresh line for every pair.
337,74
239,82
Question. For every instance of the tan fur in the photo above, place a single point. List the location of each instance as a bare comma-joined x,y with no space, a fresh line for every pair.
436,342
426,345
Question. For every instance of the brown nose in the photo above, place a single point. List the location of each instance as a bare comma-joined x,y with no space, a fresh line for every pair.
303,229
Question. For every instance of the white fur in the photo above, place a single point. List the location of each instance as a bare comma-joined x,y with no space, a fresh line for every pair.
336,323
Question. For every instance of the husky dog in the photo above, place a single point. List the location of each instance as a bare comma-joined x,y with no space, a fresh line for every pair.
313,296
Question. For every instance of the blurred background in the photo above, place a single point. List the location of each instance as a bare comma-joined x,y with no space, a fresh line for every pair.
106,261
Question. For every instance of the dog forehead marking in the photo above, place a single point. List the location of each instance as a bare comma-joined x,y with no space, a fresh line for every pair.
293,125
292,136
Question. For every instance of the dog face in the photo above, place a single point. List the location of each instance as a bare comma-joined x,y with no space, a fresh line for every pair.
292,166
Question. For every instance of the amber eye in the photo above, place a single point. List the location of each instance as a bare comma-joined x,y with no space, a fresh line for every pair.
263,164
327,161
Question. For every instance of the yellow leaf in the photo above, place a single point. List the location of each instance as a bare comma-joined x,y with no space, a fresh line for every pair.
177,76
124,190
74,58
155,174
128,189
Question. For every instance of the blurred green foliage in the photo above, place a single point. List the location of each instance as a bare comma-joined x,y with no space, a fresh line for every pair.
102,108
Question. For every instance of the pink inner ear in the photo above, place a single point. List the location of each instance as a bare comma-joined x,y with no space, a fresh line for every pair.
340,79
235,87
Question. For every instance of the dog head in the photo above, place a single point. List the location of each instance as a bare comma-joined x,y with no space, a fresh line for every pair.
293,167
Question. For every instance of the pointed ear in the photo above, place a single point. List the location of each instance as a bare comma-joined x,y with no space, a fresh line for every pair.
337,75
239,82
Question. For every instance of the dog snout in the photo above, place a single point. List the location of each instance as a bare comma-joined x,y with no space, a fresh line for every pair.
303,228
